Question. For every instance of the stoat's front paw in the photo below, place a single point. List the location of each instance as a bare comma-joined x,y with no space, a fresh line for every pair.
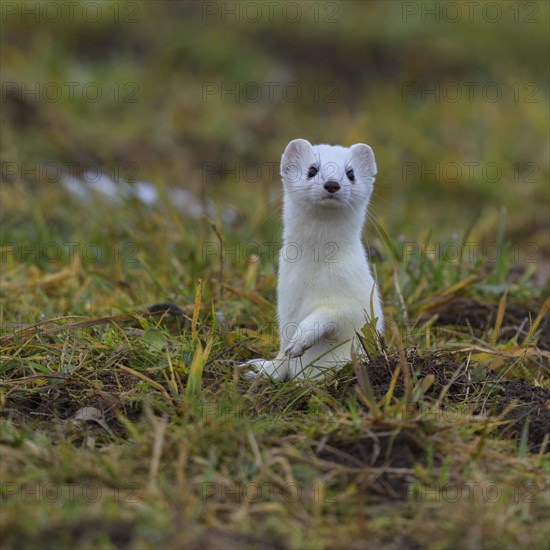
298,348
276,370
252,368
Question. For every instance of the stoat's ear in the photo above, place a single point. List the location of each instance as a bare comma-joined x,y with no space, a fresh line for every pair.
295,159
365,158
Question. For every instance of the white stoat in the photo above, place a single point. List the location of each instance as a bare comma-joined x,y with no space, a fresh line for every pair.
326,291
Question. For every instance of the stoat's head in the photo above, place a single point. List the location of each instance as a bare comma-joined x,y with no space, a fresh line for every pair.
328,176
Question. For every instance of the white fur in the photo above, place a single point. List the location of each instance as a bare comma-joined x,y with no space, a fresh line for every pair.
325,289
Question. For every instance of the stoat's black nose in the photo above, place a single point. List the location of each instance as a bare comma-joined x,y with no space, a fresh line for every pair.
332,186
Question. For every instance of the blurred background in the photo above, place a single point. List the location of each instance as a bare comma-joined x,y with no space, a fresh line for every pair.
154,130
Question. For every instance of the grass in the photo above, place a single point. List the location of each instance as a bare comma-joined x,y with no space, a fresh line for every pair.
124,420
143,432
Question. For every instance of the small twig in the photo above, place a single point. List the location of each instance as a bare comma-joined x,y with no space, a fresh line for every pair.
160,429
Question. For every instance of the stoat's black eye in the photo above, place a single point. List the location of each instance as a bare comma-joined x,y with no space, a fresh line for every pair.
312,172
350,175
